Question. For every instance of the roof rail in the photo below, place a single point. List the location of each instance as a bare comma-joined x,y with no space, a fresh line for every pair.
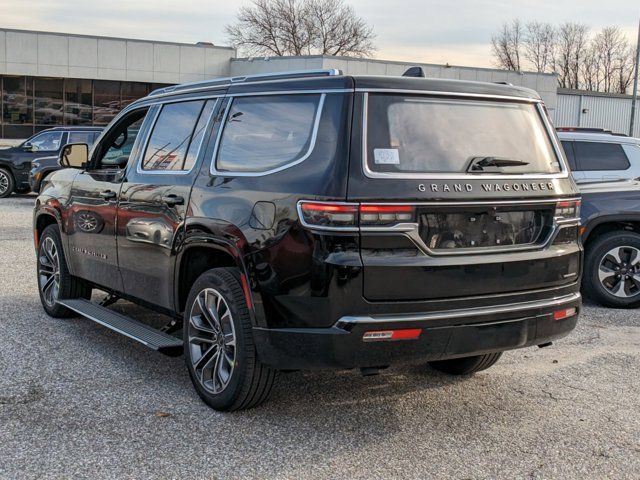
218,82
584,130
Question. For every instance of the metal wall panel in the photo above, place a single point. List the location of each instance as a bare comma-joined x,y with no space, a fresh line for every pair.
599,111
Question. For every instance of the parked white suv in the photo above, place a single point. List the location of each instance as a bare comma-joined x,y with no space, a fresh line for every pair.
597,155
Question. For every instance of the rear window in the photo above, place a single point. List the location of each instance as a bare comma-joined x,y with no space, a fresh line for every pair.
600,156
410,134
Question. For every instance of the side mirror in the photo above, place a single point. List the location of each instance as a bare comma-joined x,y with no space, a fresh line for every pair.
27,147
74,155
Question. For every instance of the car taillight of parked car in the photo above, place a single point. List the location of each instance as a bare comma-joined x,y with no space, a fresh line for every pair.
567,210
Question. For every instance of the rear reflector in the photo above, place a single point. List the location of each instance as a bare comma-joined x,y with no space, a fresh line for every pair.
565,313
385,335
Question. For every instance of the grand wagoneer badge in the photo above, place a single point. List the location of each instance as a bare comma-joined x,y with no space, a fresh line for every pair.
487,187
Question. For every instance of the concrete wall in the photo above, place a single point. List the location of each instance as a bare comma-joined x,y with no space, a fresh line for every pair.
545,84
80,56
593,109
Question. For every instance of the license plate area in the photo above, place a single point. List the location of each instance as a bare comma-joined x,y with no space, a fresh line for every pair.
485,228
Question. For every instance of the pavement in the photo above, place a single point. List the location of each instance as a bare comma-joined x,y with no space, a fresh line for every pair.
79,401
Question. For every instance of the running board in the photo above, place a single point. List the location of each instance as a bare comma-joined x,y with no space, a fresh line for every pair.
149,336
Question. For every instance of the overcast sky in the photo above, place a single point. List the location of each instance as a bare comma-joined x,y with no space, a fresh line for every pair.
434,31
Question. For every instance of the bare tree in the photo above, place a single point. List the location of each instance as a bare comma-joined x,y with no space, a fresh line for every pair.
628,61
573,39
590,70
301,27
539,45
506,46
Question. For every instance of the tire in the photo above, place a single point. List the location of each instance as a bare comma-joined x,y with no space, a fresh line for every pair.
622,291
54,280
236,379
466,365
7,183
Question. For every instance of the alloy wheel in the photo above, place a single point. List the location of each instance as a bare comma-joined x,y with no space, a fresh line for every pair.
212,340
49,271
4,182
619,271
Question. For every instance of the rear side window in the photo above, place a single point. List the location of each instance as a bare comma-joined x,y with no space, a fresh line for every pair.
413,134
600,156
171,136
568,151
263,133
82,137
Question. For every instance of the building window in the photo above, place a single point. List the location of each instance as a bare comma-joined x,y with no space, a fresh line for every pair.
106,101
78,98
16,104
32,104
48,101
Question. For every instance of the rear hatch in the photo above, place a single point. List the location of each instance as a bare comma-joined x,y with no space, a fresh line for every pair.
460,197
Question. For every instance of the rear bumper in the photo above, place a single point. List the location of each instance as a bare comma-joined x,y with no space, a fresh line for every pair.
445,334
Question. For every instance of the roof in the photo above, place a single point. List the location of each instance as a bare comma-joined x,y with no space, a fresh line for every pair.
334,79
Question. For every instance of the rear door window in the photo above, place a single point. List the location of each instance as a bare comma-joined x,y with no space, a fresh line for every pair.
171,137
418,134
267,132
598,156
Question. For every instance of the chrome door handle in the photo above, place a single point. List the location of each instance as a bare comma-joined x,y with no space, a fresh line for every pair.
173,200
107,195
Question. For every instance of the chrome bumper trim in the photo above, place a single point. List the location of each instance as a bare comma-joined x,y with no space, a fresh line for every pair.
467,312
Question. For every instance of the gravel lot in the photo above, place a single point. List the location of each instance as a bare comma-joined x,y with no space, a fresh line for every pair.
77,400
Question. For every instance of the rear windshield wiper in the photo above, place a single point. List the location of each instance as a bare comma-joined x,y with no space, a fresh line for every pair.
492,164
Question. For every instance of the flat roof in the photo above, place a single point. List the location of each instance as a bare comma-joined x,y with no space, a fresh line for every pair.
78,35
390,62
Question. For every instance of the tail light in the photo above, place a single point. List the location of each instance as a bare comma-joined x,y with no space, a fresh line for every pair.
350,216
567,210
329,215
374,215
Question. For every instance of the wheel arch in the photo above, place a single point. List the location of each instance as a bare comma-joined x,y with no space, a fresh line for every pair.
195,258
42,220
610,223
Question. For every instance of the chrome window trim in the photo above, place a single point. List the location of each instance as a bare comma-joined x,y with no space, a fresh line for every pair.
564,173
147,138
346,321
213,170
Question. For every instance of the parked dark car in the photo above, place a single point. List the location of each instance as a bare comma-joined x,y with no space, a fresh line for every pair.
610,229
15,162
318,220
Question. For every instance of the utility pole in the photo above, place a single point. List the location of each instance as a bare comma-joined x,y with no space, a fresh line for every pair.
634,100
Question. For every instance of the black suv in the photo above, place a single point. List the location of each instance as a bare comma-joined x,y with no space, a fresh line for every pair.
15,162
318,220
